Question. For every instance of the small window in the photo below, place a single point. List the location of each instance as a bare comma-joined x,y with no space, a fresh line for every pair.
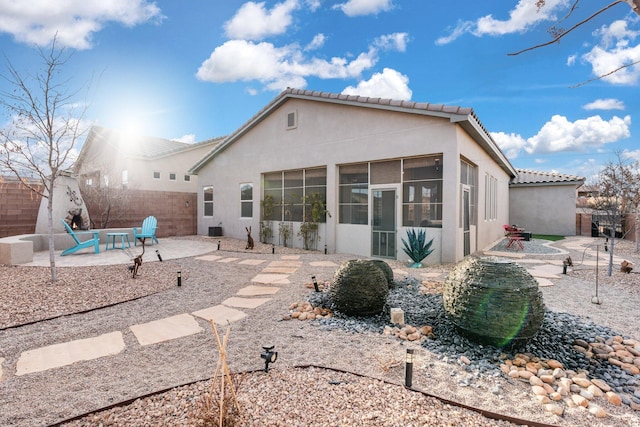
207,198
156,175
187,178
246,200
292,120
125,178
172,177
88,182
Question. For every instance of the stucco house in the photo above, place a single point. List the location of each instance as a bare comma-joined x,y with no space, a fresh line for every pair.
381,166
544,202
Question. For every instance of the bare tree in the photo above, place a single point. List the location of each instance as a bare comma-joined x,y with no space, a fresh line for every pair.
107,199
557,32
617,193
45,124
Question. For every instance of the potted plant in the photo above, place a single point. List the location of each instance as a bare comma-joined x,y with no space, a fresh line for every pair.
266,230
315,212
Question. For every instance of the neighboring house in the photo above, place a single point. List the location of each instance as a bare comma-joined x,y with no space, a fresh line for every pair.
109,157
544,203
381,166
126,178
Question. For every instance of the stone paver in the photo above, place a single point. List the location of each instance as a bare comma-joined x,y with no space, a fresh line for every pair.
546,271
166,329
252,261
323,264
279,270
209,258
227,260
290,264
543,282
253,290
220,314
290,257
245,302
56,355
271,278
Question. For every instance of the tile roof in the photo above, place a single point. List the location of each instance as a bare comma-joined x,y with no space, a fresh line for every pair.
531,177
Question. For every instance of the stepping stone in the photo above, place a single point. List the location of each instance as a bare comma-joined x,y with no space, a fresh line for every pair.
253,290
504,254
547,271
208,258
323,264
166,329
271,278
290,257
252,261
294,264
542,282
533,261
220,314
245,302
56,355
226,260
280,270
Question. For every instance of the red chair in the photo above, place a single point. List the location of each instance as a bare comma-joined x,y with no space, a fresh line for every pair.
514,234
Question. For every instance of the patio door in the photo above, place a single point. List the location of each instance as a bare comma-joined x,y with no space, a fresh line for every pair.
383,223
466,219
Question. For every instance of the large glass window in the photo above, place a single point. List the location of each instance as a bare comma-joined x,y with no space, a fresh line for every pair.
422,192
490,198
288,189
207,198
246,200
353,202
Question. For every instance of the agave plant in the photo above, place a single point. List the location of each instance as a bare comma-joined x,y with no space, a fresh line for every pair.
417,248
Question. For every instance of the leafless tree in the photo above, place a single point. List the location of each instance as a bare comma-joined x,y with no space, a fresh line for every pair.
617,194
557,32
107,202
44,125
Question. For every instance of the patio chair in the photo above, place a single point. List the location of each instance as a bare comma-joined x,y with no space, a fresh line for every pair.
147,231
514,235
94,241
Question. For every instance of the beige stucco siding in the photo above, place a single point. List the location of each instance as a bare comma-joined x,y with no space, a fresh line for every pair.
330,135
544,209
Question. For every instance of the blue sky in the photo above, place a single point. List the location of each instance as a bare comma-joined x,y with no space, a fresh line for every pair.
196,69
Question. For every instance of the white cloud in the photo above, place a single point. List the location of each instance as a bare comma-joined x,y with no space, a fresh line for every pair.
74,21
277,67
254,22
605,104
614,51
388,84
511,144
187,139
364,7
395,41
559,134
571,60
313,4
317,42
633,155
524,16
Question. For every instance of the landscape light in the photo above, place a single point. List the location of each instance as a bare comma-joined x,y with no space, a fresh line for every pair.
315,284
218,244
273,248
179,278
269,356
159,257
408,368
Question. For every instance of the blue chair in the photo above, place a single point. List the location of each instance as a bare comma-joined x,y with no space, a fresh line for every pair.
95,241
147,231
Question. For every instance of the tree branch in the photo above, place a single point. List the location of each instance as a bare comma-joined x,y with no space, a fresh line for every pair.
605,75
564,33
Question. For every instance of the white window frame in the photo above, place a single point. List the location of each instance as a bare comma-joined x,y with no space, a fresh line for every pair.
205,203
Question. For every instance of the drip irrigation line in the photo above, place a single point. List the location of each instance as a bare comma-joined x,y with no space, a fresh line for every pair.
483,412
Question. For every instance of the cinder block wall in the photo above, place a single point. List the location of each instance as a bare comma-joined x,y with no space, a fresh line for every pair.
18,209
176,212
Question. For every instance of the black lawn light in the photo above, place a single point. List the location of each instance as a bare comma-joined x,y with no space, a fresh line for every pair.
218,244
268,355
273,248
408,368
315,284
179,278
159,257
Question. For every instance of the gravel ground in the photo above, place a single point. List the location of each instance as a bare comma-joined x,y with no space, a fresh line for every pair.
286,395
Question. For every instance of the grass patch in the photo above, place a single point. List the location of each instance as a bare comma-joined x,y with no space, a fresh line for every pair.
551,237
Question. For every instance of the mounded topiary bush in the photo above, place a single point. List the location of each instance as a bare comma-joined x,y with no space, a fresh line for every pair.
359,288
493,301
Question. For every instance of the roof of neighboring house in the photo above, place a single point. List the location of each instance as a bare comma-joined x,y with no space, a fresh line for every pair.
528,177
463,116
143,147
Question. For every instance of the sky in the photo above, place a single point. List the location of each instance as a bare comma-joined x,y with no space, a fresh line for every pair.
192,70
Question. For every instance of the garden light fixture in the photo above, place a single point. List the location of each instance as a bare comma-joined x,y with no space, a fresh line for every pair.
159,257
315,284
268,355
218,244
408,368
179,278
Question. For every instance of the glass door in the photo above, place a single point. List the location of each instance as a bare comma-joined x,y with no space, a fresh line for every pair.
383,223
466,216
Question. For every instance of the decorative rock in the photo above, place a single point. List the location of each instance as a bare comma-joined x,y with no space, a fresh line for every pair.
559,373
397,316
525,374
597,411
582,382
600,384
595,391
579,400
554,364
584,393
427,331
555,396
538,391
613,398
549,379
548,388
543,399
553,408
413,336
535,381
465,360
